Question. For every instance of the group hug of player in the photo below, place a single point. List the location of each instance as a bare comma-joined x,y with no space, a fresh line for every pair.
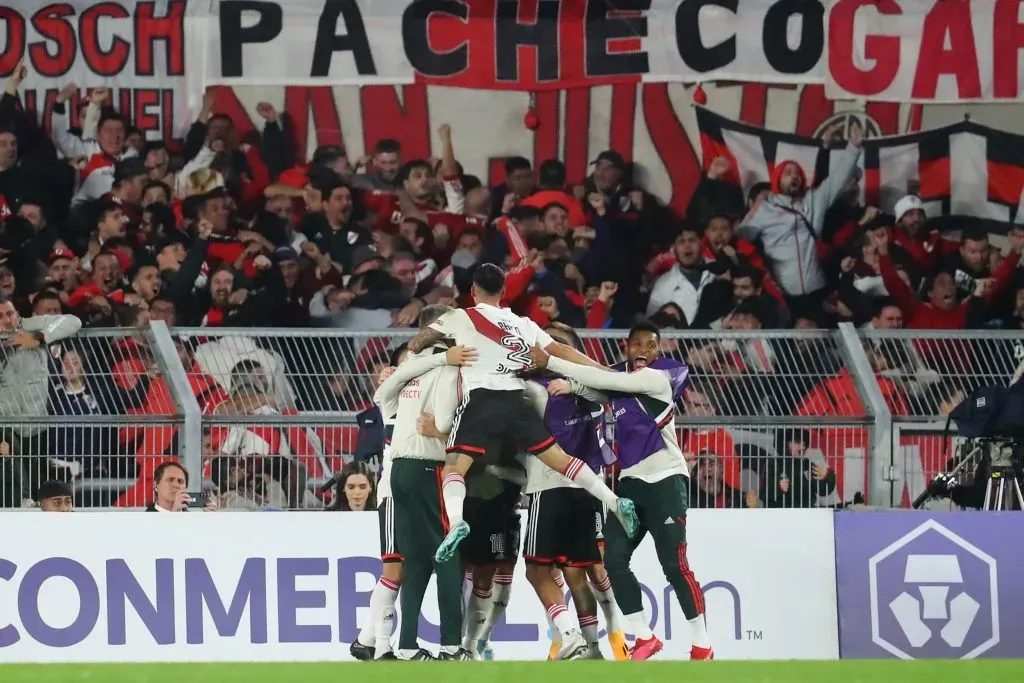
483,406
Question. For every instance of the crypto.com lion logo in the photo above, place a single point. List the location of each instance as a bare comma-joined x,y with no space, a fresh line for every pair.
921,580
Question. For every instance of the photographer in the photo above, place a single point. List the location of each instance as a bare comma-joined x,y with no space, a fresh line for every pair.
170,491
24,382
794,479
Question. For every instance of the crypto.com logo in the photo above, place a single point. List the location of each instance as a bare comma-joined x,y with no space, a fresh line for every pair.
928,564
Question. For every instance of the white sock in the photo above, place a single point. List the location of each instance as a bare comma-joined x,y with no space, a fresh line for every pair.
559,616
556,635
407,654
368,633
640,627
477,611
453,491
606,599
501,591
385,619
699,632
559,579
449,649
588,625
578,471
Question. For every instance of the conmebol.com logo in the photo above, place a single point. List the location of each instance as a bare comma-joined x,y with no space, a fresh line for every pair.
62,603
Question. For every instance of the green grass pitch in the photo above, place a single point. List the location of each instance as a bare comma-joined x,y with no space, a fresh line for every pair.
847,671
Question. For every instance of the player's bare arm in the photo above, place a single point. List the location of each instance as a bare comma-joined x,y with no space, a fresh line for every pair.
391,384
643,381
425,339
568,353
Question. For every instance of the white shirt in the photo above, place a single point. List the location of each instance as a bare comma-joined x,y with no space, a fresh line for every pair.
674,287
423,383
502,339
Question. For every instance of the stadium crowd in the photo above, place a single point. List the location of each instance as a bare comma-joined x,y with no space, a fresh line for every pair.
221,232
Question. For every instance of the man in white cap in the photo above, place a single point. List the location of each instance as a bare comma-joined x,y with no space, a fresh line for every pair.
922,244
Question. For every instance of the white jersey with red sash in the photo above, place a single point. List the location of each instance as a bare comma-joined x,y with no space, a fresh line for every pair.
502,339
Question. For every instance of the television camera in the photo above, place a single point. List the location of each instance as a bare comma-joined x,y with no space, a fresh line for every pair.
990,459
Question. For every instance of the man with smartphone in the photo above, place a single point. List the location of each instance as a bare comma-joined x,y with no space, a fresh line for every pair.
171,492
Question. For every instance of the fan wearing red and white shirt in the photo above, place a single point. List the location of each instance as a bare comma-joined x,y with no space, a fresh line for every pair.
494,411
98,155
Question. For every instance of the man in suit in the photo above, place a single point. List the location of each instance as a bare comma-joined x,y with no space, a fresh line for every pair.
170,492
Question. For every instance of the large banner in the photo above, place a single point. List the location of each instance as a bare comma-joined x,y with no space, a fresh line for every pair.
296,586
930,585
163,54
516,44
148,53
964,169
925,50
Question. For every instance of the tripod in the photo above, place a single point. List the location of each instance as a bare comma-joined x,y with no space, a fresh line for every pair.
1003,489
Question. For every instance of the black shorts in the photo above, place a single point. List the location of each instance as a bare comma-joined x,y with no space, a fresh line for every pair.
496,423
562,529
386,521
494,528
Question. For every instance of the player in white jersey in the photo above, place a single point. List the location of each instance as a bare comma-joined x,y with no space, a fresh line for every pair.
494,416
423,384
374,641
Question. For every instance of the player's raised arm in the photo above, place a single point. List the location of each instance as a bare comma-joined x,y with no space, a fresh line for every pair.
558,349
388,391
645,381
444,326
425,339
567,353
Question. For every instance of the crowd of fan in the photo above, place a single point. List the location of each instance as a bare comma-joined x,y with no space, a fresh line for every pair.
218,231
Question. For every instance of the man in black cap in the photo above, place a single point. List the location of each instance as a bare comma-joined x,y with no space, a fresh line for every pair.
609,169
55,496
130,177
366,258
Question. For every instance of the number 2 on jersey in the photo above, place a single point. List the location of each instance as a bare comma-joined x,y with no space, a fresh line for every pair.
518,351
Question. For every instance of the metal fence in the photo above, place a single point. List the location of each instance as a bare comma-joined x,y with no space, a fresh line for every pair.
89,414
922,376
268,417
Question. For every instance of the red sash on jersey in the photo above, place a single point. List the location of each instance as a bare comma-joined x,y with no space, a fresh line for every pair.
485,326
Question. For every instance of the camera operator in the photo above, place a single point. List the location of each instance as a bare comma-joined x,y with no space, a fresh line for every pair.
970,496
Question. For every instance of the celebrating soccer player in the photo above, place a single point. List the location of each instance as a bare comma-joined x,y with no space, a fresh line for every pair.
654,474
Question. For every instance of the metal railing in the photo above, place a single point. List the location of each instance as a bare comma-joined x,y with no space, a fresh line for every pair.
267,417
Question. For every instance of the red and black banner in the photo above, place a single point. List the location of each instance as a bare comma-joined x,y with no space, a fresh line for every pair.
964,170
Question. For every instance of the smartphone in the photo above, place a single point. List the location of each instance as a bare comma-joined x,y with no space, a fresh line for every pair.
198,500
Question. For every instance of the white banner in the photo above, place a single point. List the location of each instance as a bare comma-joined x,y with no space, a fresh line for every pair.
295,586
925,50
513,45
150,54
